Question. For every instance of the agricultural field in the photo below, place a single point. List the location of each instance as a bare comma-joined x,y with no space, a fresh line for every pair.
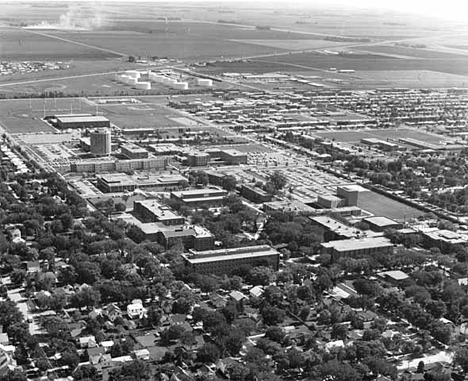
383,206
324,62
22,45
394,133
411,52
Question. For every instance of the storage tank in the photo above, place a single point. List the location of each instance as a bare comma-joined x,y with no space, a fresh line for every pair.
205,82
143,85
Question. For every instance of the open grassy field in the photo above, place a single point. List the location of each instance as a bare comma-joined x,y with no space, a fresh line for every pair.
394,133
21,45
383,206
139,116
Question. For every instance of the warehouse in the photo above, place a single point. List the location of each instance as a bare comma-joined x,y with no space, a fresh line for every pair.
81,121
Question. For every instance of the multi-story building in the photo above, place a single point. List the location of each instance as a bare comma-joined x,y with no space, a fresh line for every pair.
255,194
335,230
153,211
198,159
132,151
121,182
190,236
225,261
101,142
229,156
197,197
357,248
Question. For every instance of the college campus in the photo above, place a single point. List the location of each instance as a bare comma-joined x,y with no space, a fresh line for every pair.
232,191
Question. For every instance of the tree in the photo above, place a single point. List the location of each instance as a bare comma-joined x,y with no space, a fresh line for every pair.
14,375
86,372
461,358
9,314
174,332
278,181
208,354
229,183
88,297
260,276
272,315
337,371
120,207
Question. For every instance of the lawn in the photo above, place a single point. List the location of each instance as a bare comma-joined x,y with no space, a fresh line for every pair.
380,205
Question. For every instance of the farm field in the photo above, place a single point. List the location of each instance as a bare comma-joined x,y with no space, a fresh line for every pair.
21,45
356,136
413,52
186,47
406,78
300,44
380,205
321,61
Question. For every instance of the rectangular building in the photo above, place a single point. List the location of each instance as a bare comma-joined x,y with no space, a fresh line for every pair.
357,247
197,197
81,121
335,230
121,182
190,236
379,224
224,261
229,156
255,194
153,211
132,151
198,159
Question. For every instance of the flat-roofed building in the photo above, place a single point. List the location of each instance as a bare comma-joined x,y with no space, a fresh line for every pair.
224,261
229,156
153,211
133,151
357,247
101,142
329,201
81,121
190,236
196,197
121,182
379,224
198,159
335,230
255,194
445,240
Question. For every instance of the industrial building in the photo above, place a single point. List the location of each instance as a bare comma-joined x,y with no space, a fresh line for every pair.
153,211
357,247
81,121
197,197
132,151
100,142
121,182
225,261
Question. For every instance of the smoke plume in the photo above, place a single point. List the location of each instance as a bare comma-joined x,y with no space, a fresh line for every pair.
88,17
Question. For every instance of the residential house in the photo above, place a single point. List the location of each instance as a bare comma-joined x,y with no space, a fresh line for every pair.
135,310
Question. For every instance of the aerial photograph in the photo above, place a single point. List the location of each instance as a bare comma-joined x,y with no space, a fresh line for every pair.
210,190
